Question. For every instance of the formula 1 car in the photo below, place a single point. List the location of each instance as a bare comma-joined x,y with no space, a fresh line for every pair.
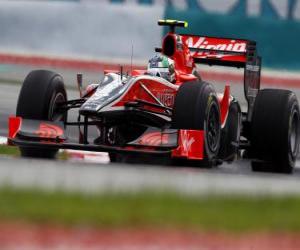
139,114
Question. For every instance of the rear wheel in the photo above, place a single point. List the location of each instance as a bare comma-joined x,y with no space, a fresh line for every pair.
196,107
275,131
39,97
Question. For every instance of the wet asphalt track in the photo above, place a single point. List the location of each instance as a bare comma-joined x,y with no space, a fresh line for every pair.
235,179
8,100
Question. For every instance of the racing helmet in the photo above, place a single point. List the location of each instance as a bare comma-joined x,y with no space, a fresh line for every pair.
161,66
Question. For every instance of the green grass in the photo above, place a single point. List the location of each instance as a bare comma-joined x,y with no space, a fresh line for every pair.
163,210
9,150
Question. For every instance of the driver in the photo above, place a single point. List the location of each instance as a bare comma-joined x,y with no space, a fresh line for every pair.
162,66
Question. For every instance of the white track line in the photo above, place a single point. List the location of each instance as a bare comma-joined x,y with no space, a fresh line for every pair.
87,156
3,140
78,155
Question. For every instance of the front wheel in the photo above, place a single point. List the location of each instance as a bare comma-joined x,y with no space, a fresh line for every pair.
39,97
196,108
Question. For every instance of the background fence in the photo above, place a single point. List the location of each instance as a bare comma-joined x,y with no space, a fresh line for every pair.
107,29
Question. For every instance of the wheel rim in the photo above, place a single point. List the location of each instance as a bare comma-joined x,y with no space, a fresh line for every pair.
293,133
54,113
213,128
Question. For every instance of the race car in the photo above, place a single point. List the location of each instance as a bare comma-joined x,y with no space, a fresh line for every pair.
165,111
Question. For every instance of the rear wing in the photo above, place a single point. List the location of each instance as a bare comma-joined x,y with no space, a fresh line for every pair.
238,53
231,52
217,51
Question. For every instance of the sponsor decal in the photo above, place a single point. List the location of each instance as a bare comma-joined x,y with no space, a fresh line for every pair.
154,139
252,68
166,99
190,144
187,141
251,92
214,44
47,130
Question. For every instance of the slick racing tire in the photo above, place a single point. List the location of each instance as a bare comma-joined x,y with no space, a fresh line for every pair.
41,91
275,131
196,107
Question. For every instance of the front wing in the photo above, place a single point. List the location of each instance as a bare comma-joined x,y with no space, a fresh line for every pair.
38,134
